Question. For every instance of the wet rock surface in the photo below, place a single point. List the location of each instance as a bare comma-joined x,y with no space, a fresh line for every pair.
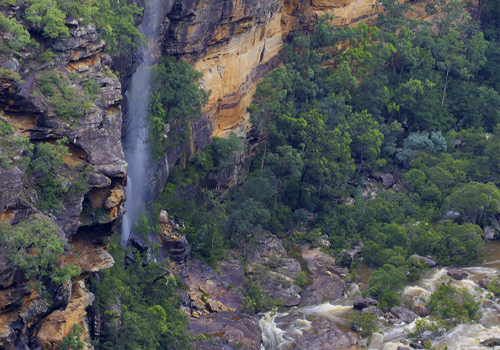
364,302
420,309
270,267
215,310
427,261
326,283
484,282
373,310
457,274
324,334
404,315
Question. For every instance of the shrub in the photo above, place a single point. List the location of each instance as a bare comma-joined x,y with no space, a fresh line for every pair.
34,246
47,56
56,182
366,322
64,99
454,305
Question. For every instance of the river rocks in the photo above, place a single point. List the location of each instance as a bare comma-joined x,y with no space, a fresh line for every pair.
324,334
373,310
417,345
404,314
457,274
228,331
326,283
364,302
232,272
489,232
215,309
174,244
491,342
484,282
427,261
420,309
270,267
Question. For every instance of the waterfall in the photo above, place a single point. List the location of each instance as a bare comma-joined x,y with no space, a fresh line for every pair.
136,127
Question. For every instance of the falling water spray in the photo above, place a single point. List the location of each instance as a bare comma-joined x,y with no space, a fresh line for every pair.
136,127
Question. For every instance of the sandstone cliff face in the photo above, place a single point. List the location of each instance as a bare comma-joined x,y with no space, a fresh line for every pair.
94,143
234,43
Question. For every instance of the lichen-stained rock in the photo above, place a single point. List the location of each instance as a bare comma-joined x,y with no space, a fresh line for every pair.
326,283
53,328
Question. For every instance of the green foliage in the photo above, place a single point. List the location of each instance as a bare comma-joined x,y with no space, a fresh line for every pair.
367,322
65,100
15,148
18,37
177,98
46,56
385,284
149,303
34,246
301,279
9,74
92,89
257,300
454,305
56,182
114,20
72,341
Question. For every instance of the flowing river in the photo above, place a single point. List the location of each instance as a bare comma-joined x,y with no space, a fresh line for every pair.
279,329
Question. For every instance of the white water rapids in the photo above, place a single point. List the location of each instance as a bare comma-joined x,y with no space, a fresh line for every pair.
278,329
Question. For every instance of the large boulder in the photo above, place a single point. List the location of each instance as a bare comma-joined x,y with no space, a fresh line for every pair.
325,275
373,310
484,282
427,261
457,274
420,309
364,302
404,314
323,334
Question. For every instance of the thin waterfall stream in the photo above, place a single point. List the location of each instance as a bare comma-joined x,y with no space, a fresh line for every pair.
136,128
278,329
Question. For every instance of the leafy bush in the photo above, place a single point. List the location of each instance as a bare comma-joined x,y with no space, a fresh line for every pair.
64,99
72,341
53,183
257,300
9,74
92,89
454,305
47,56
366,322
177,97
34,246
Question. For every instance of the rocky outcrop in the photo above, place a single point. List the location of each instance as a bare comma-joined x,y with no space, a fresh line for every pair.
86,217
174,244
427,261
323,334
215,310
420,310
326,283
404,315
364,302
270,267
457,274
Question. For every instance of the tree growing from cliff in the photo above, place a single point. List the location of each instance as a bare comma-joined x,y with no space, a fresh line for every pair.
176,99
34,246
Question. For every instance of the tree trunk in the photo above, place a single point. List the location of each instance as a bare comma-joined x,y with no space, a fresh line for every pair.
445,85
